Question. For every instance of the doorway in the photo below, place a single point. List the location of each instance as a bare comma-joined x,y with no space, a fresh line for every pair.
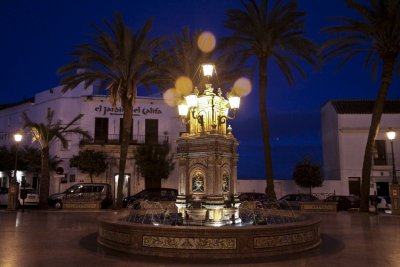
126,187
354,186
382,189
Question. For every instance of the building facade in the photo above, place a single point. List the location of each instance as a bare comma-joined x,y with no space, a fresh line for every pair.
153,122
345,126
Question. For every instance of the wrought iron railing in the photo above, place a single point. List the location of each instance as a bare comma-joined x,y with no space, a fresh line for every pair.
382,159
113,139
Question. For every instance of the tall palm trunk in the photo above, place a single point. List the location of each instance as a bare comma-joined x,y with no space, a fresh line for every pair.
262,92
126,133
44,179
387,73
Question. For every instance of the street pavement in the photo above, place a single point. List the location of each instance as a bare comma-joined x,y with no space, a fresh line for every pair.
36,238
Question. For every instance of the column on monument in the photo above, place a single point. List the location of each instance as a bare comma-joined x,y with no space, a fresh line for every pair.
218,176
234,176
183,177
210,190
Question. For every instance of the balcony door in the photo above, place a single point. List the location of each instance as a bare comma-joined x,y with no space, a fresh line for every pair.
101,130
151,131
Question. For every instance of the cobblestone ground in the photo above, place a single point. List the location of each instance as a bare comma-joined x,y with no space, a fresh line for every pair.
68,238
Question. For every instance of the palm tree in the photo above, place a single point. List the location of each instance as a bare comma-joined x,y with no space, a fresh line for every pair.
46,134
269,33
181,56
121,60
376,32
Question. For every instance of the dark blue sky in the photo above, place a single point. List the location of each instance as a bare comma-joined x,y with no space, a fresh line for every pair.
36,37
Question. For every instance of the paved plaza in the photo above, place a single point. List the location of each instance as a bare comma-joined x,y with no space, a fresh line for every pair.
68,238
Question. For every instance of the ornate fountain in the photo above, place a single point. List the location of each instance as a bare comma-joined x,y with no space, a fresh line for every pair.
207,161
207,157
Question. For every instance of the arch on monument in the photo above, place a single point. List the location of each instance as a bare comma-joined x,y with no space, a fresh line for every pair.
226,179
198,181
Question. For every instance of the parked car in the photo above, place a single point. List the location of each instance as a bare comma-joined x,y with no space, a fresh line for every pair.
260,199
85,192
383,203
252,196
3,196
32,197
345,202
154,194
292,201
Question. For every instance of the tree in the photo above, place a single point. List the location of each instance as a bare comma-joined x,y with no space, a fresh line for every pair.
7,161
268,34
181,56
307,174
46,134
89,161
154,163
121,60
30,159
376,33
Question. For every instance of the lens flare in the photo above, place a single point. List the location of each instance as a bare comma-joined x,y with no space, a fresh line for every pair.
171,97
206,42
242,87
184,85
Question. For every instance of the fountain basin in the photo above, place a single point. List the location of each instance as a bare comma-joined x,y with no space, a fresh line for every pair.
208,242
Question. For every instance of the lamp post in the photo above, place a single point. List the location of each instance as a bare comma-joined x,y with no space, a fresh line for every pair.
17,138
208,110
391,135
14,186
394,188
207,153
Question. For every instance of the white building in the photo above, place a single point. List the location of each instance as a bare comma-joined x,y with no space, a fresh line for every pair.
153,121
345,126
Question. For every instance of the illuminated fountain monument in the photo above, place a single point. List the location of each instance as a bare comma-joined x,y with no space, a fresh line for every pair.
207,157
207,220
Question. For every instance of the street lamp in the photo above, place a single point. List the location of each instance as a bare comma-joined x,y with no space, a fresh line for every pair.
13,190
391,135
209,109
17,138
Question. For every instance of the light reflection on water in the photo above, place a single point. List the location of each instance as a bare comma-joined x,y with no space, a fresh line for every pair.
250,213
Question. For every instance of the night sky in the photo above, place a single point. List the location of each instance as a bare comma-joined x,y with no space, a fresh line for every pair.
36,37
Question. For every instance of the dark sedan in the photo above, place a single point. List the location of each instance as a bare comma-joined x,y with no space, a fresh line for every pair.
292,201
153,194
345,202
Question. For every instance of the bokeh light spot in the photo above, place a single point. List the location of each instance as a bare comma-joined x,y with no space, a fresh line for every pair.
206,42
184,85
242,87
171,97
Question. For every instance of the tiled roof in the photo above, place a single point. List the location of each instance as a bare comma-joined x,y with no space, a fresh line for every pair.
363,106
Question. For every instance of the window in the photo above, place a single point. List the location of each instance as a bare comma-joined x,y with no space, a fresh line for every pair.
151,131
380,152
101,130
67,147
64,179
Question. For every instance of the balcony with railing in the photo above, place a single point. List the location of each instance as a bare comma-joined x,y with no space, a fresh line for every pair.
114,139
382,159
